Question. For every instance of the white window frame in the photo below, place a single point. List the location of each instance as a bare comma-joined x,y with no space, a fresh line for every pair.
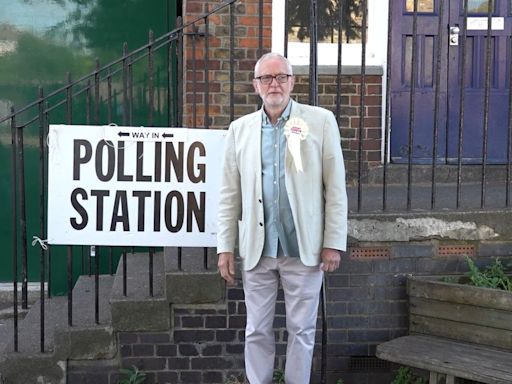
376,49
298,53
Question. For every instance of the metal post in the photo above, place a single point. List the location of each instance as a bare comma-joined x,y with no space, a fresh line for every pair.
14,224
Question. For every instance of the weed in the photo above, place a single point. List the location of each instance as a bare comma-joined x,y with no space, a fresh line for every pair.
234,380
404,376
135,376
493,276
278,377
450,279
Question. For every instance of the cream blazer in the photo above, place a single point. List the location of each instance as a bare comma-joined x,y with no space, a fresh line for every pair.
317,195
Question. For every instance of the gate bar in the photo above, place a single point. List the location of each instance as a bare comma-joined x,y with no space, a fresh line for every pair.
340,62
42,199
509,138
97,93
14,205
194,79
206,122
487,92
125,274
462,82
435,140
125,83
412,98
362,94
70,285
46,126
179,24
22,216
109,96
151,78
231,62
388,109
97,286
151,253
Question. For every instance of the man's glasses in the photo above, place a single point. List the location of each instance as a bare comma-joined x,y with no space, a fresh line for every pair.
267,79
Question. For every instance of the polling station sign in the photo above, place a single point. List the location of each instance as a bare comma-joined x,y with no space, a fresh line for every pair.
130,186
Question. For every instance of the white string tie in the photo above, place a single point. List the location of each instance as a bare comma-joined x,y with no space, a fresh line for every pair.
42,243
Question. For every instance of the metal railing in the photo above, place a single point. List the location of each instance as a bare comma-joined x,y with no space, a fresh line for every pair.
104,96
109,94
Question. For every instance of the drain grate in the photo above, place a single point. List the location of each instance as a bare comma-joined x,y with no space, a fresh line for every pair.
369,252
368,363
456,250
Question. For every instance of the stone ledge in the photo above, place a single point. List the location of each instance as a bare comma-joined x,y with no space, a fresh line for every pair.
194,288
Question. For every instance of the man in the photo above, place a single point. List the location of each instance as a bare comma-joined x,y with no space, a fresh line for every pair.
283,196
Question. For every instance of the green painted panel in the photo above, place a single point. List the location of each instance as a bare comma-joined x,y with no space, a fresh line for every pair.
42,40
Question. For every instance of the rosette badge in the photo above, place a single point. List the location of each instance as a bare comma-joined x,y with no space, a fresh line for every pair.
295,131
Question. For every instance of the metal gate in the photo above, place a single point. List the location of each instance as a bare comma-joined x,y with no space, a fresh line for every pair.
450,81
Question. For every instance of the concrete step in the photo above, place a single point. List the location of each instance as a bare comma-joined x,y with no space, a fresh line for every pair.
195,280
445,173
85,339
19,368
92,371
56,315
7,309
138,310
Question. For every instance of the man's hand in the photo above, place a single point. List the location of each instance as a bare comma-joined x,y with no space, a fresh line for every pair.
330,259
226,266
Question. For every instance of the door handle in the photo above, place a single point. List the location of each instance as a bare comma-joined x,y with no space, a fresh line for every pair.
454,35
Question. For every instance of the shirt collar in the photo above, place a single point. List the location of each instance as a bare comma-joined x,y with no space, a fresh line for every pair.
284,116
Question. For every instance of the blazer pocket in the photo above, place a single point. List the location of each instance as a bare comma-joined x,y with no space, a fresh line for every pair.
241,238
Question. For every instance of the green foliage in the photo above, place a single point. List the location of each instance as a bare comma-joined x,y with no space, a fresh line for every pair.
404,376
135,376
450,279
493,276
328,17
278,377
340,381
234,380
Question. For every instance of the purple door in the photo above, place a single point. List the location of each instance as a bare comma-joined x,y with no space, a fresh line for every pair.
448,120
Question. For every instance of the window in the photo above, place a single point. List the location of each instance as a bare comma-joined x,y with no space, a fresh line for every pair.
478,6
298,32
424,6
328,21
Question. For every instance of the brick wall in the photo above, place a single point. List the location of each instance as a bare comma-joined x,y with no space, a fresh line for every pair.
367,305
246,101
246,53
350,115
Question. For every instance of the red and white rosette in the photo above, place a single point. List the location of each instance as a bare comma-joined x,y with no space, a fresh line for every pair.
295,131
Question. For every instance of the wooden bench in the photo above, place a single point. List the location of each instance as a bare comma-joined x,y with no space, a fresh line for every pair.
457,331
452,358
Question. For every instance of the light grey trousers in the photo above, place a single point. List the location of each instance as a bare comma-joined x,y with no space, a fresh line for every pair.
301,286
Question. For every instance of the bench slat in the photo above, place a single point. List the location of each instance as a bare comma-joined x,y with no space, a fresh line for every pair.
464,360
492,337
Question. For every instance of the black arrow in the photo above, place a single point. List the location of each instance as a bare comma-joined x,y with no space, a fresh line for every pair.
124,134
167,135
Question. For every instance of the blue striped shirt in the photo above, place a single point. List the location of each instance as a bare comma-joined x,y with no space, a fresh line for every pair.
280,235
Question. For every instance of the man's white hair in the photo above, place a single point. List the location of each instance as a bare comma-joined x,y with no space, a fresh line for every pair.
273,55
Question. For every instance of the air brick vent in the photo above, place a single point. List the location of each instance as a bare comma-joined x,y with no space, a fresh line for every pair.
368,363
456,250
368,252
